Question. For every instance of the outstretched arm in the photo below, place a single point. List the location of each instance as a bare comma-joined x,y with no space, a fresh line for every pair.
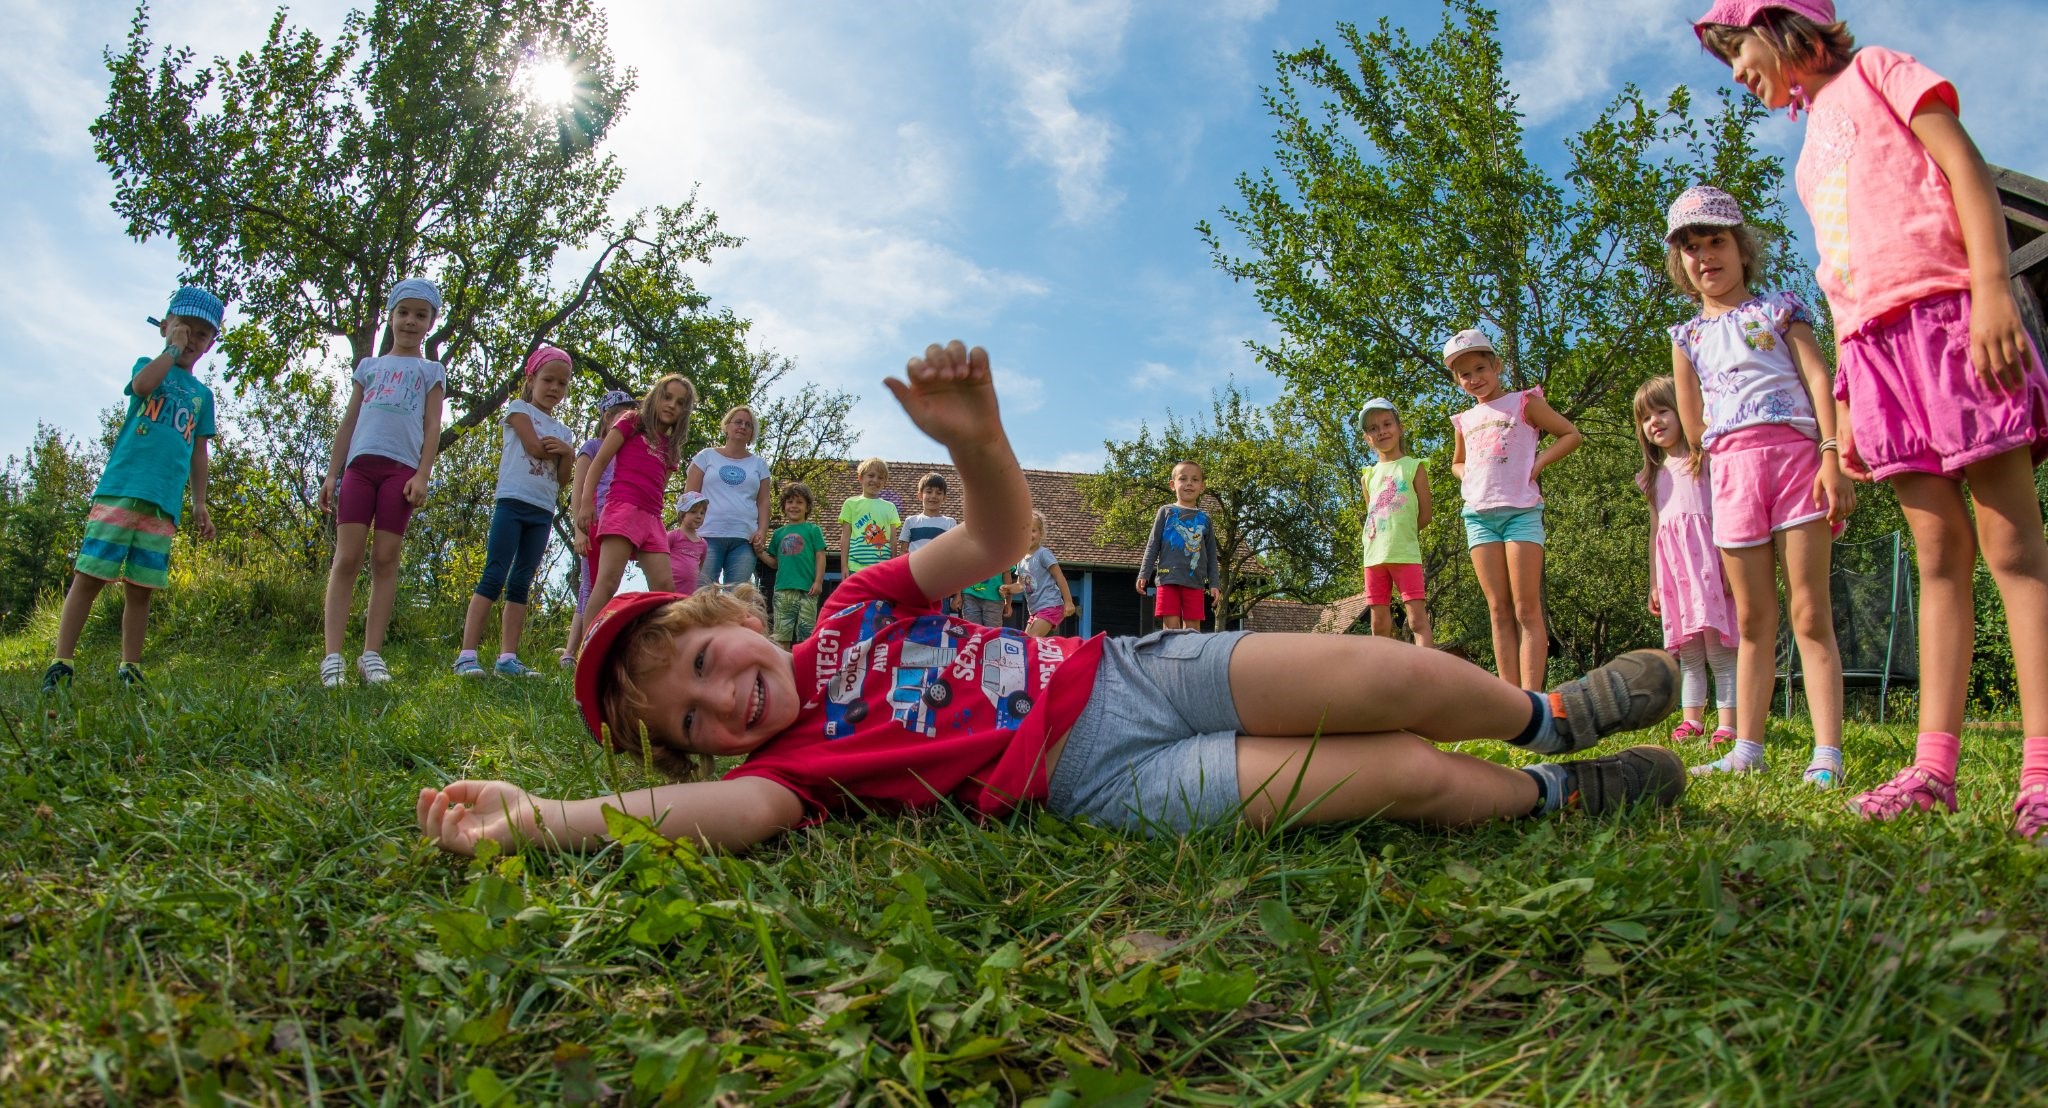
723,815
950,395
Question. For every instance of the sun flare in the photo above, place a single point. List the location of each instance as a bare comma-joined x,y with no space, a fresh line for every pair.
551,83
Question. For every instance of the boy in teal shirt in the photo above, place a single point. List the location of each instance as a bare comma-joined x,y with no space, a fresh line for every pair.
135,506
870,521
797,553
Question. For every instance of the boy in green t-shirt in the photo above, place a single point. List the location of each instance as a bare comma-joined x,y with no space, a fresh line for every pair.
797,553
160,451
870,521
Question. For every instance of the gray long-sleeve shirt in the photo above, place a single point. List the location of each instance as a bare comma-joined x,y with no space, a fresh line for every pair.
1182,548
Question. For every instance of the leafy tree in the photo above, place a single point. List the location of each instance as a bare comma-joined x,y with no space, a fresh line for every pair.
45,493
1262,494
803,434
303,179
267,464
1404,206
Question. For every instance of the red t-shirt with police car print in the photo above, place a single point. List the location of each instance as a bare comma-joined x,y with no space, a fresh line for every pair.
904,706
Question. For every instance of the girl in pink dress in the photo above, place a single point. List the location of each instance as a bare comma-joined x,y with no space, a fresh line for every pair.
1687,590
1939,382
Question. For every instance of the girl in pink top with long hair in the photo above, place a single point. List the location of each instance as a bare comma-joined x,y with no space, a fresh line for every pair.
1496,461
1939,382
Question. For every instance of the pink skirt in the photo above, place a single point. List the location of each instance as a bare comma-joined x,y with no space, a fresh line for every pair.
1691,590
1916,404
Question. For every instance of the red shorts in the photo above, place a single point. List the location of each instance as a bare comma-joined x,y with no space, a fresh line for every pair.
372,493
1180,602
1383,580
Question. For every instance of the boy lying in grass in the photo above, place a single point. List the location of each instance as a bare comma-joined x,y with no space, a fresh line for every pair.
891,705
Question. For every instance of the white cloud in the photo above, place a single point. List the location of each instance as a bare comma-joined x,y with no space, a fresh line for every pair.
1563,52
1071,461
1051,54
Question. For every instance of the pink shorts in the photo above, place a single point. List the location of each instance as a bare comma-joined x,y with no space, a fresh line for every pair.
1916,404
1763,483
1383,580
642,526
1053,614
1179,602
372,493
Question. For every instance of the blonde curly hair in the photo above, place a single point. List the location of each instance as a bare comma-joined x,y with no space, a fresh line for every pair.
646,646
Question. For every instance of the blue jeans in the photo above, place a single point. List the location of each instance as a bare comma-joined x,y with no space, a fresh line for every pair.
519,536
726,562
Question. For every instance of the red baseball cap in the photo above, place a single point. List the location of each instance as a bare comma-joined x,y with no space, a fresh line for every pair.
594,660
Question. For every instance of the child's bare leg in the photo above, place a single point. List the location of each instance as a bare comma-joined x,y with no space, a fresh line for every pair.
1170,623
1383,621
384,551
510,627
349,542
661,576
1389,775
1946,548
1807,550
1490,564
1418,623
1299,685
2009,528
575,635
1525,578
85,588
134,620
1752,577
612,552
474,619
1037,628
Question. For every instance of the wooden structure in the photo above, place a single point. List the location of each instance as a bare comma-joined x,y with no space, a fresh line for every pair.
2025,200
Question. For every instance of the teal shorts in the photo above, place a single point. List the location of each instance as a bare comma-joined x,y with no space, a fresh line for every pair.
1504,525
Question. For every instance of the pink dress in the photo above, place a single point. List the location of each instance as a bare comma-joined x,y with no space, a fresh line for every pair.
685,559
1690,587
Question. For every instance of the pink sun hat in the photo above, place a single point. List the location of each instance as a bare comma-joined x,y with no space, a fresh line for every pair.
1701,206
1742,13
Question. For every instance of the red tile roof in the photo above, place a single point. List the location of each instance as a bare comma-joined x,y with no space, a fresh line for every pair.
1070,526
1277,614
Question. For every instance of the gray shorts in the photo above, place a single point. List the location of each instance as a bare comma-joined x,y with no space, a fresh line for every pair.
1156,748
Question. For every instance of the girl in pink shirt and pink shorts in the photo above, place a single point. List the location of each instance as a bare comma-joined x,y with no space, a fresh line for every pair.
1939,381
643,448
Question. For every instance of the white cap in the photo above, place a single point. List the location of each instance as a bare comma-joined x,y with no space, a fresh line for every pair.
1466,341
690,500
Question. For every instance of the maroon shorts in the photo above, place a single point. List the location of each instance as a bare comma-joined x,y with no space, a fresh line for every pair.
1179,602
373,494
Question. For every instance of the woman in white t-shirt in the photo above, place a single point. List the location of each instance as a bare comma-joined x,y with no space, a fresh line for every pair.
735,480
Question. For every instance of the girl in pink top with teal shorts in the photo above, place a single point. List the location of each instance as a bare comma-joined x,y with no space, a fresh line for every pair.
1938,380
1497,460
1747,371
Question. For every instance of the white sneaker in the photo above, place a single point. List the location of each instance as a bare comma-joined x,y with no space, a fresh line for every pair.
371,666
333,671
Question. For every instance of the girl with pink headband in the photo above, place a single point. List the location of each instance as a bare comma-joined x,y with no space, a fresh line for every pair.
1937,379
532,466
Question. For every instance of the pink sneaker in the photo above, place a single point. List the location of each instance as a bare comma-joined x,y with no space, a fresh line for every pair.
1912,788
1687,731
1721,735
2030,812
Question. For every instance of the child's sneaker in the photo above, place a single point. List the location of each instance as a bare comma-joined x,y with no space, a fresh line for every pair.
2030,812
333,671
57,676
1721,735
1639,774
1686,731
466,666
1627,694
1913,789
513,667
567,659
129,675
371,666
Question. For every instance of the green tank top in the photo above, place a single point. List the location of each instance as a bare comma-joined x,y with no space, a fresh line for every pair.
1390,535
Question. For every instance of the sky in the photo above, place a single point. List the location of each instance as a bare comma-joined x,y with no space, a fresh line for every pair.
1025,176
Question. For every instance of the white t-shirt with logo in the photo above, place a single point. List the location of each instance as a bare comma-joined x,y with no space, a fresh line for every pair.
521,476
392,421
731,485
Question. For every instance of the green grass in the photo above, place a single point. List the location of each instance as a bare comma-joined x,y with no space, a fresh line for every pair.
212,893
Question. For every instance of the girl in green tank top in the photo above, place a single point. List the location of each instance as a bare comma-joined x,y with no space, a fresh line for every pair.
1396,492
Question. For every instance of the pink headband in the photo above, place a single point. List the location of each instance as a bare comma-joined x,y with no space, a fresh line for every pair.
544,354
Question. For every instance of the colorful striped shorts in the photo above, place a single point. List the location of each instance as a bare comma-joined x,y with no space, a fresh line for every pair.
127,540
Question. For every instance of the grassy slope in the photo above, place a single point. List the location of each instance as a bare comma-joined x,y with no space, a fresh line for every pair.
215,888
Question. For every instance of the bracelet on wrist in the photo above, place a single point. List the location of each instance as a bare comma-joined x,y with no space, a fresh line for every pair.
173,349
1830,444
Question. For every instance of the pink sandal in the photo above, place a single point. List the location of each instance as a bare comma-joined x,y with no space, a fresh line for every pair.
1687,731
1913,789
1721,735
2030,813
